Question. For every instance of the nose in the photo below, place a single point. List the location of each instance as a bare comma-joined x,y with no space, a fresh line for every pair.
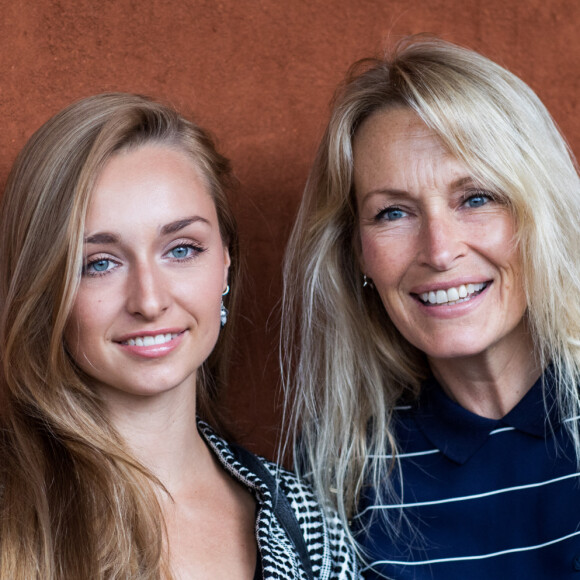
441,241
147,295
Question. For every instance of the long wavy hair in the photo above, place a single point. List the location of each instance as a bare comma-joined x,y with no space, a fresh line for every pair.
346,366
74,503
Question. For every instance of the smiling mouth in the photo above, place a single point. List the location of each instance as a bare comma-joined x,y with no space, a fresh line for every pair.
151,340
453,295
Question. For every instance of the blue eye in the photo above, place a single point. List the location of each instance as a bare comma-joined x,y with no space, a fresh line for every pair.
100,266
97,267
391,214
181,252
185,251
478,200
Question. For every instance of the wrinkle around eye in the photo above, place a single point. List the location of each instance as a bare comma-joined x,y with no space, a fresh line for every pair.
391,214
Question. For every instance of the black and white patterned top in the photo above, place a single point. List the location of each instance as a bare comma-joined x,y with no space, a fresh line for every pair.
331,555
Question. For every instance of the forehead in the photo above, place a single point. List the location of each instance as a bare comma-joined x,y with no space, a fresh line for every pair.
395,129
397,146
148,183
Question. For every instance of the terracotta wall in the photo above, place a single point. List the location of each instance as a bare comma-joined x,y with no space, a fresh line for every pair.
259,74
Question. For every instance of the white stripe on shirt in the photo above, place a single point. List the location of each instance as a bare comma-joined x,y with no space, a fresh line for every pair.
432,451
470,497
477,557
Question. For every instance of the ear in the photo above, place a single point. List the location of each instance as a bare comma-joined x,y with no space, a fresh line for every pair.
227,263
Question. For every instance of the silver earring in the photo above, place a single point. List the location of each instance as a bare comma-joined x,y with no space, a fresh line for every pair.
223,309
365,281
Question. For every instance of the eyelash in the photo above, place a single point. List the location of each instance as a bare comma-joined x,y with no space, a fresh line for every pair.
382,214
468,196
194,251
95,273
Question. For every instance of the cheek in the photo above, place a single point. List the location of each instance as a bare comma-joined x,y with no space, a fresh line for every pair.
495,231
514,283
383,259
500,240
498,244
82,325
200,297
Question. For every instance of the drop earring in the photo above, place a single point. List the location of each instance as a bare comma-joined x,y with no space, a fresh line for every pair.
367,282
223,309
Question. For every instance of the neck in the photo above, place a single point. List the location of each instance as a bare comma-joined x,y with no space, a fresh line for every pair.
490,384
161,432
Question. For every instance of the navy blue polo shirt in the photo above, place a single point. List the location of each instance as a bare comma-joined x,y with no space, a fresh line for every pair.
482,499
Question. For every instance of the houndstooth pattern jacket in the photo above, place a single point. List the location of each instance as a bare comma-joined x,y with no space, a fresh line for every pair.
330,553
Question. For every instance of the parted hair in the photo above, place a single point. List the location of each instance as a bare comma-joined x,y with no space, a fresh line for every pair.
74,503
346,366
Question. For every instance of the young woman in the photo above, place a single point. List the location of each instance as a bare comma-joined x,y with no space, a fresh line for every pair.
118,265
432,287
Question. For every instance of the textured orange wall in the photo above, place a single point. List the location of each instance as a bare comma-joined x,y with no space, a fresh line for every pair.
259,74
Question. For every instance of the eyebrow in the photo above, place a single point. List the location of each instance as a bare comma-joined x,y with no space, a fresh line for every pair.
462,182
102,238
170,228
177,225
456,185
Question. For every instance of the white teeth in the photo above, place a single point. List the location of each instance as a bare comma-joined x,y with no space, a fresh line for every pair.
151,340
452,295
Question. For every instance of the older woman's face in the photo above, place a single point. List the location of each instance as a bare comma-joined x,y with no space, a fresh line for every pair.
438,247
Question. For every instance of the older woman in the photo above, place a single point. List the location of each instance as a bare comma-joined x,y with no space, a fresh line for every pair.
118,265
432,289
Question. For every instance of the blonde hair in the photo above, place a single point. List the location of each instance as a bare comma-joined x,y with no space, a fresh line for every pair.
346,365
74,502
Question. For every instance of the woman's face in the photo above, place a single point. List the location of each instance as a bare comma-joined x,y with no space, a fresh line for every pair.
147,313
439,247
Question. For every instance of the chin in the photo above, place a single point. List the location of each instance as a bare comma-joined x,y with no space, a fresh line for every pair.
464,347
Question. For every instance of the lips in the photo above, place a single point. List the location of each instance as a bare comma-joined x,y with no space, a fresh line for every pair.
452,295
153,344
